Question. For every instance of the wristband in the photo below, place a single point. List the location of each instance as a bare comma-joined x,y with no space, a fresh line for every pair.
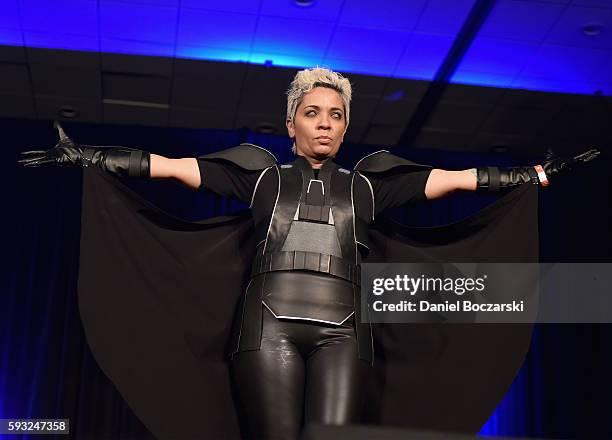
541,175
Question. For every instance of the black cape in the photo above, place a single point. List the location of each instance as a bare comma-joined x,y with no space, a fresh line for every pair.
157,296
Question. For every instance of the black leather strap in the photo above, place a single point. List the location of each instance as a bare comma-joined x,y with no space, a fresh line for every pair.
494,179
298,260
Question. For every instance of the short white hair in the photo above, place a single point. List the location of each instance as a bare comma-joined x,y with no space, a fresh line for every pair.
307,79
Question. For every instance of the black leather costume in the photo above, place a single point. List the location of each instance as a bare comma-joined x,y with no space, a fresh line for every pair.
161,327
309,351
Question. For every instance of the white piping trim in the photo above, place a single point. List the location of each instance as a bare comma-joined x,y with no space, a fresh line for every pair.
371,192
364,157
364,245
307,319
274,209
257,184
246,291
316,180
353,208
261,148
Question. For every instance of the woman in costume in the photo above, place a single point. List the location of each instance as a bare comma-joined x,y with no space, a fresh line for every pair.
299,349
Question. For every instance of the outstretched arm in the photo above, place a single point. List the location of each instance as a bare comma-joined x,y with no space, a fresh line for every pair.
120,161
441,182
185,170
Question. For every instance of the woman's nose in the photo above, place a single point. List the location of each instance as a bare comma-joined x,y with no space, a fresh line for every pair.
324,122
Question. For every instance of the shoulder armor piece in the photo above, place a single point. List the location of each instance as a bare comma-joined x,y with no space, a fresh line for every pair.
381,161
247,156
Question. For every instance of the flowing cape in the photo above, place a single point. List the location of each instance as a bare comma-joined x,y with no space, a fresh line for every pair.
157,296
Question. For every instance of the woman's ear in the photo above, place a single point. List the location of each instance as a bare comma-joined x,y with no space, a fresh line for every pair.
290,128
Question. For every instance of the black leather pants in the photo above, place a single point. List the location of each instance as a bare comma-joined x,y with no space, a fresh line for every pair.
305,372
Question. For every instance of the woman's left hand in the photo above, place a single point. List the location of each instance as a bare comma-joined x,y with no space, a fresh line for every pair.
554,164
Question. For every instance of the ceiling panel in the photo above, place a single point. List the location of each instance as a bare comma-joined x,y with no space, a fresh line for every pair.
385,14
154,2
382,68
569,30
383,136
565,63
112,62
554,86
200,88
466,94
460,118
284,35
123,46
447,23
324,11
442,140
12,37
501,57
61,41
599,3
62,58
521,20
75,17
362,109
10,15
134,115
134,87
49,107
211,53
65,81
13,106
138,22
371,45
495,142
423,56
263,91
394,112
12,54
272,123
366,85
242,6
355,133
15,79
222,29
523,121
198,118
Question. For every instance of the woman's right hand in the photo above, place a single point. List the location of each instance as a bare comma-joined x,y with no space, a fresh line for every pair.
65,153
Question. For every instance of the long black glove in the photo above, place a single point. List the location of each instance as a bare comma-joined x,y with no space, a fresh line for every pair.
121,161
496,178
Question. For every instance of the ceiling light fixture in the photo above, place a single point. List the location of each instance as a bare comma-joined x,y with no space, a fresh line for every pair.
304,2
592,29
500,149
68,112
266,128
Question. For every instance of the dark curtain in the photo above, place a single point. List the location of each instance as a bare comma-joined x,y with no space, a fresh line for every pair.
47,371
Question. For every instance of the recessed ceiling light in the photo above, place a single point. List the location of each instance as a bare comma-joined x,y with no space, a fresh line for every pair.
304,2
592,29
266,128
68,112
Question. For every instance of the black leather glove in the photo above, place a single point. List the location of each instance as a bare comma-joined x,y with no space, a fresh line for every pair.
124,162
496,178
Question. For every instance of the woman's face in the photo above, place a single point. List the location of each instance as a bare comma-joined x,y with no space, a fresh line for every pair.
319,125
